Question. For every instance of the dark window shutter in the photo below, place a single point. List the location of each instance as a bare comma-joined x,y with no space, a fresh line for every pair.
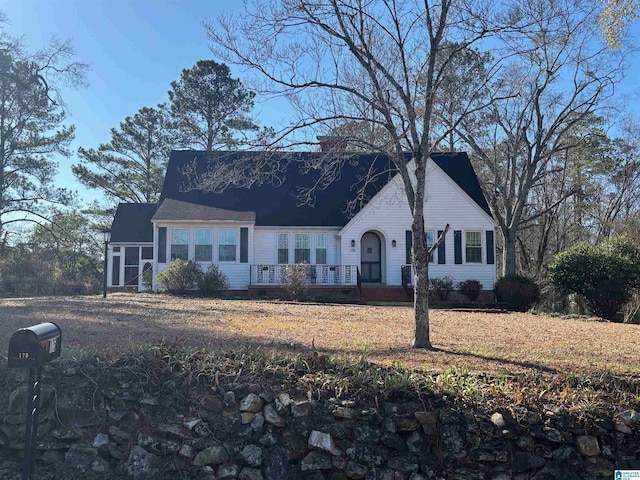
409,244
115,271
490,256
442,250
457,247
244,245
162,245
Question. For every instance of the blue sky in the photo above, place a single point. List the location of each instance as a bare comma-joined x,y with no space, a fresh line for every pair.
135,49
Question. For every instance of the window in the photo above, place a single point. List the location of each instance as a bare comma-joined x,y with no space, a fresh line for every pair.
302,253
283,248
321,248
227,247
115,271
131,262
180,244
204,245
473,247
431,239
116,249
147,253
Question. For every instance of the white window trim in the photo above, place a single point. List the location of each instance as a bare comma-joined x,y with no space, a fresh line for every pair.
219,244
195,243
170,243
482,248
435,238
325,247
311,249
289,252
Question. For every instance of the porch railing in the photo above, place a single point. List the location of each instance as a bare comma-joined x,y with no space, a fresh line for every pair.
316,274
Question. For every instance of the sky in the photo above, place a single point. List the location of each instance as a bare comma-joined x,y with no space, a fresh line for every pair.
135,48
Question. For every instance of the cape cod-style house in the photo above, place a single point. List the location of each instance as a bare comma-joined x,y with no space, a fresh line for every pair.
252,232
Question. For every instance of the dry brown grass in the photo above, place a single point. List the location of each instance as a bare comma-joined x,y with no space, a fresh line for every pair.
495,343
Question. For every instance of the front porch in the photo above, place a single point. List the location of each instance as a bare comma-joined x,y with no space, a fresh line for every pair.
317,275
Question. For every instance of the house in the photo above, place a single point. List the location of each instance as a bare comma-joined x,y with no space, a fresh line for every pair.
252,232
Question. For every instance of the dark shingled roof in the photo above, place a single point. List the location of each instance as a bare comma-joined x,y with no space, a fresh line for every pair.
132,222
277,206
175,210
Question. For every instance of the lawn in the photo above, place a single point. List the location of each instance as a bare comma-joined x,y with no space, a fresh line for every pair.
497,343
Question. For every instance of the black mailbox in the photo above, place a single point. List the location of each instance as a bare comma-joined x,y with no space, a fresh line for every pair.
34,346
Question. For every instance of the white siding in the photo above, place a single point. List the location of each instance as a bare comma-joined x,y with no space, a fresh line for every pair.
388,214
237,273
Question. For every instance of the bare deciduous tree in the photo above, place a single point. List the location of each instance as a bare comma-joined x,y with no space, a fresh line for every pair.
378,64
554,74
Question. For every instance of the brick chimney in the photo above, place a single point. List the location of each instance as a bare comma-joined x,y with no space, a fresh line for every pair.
332,143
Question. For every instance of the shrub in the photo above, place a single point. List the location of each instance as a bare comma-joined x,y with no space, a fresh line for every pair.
213,282
519,293
180,276
442,287
606,275
470,289
295,280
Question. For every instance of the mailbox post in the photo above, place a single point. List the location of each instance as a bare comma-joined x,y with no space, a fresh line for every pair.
31,348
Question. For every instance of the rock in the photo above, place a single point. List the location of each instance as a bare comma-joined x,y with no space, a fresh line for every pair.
175,430
498,420
407,425
100,440
258,422
301,409
86,458
250,474
53,457
426,418
524,462
415,443
343,412
395,441
588,445
190,425
630,418
227,471
140,463
158,445
402,464
339,462
186,451
68,434
150,400
623,428
366,433
276,465
599,467
355,470
211,456
229,400
526,443
251,455
555,471
323,441
453,441
247,417
271,416
568,457
251,403
315,461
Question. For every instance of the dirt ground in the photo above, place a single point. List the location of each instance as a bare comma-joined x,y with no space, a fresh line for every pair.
496,343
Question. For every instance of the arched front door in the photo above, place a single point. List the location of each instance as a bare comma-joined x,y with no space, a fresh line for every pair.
146,277
370,258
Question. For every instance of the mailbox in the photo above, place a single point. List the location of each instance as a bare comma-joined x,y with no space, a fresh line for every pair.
34,346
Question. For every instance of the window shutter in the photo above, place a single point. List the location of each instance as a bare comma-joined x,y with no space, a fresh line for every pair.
442,250
490,256
409,244
457,246
244,245
115,271
162,245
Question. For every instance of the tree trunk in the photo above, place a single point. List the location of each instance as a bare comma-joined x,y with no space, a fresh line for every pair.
421,304
509,253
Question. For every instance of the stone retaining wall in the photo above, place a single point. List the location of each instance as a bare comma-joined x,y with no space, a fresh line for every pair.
120,423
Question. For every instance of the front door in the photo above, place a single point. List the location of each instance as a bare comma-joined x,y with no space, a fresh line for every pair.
370,264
